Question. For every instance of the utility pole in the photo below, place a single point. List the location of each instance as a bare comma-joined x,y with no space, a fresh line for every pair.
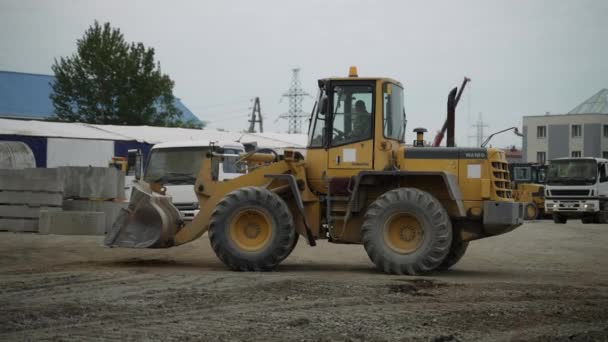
479,134
295,94
256,116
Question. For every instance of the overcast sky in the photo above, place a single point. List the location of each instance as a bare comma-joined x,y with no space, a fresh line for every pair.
524,57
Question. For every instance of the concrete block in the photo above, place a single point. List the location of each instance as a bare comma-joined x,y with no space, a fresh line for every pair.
32,199
22,183
93,182
23,211
18,225
51,174
110,208
72,222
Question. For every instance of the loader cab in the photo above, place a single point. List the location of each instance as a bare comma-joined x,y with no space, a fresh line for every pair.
356,125
527,173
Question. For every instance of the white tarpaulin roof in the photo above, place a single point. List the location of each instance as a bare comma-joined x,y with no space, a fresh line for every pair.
147,134
55,129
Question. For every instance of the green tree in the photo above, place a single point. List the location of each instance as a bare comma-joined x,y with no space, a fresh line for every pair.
109,81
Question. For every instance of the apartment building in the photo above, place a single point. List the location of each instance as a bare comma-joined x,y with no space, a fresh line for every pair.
582,132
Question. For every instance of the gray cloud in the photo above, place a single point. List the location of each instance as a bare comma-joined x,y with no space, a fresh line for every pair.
524,57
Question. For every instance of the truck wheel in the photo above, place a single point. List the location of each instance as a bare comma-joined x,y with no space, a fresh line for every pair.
600,217
251,229
559,219
531,211
456,253
406,231
588,219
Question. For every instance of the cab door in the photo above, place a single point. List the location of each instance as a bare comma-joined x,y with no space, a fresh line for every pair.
351,143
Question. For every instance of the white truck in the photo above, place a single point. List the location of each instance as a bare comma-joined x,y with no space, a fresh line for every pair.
577,188
176,165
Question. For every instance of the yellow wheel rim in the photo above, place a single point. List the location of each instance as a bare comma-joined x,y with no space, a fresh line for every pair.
250,229
531,211
403,233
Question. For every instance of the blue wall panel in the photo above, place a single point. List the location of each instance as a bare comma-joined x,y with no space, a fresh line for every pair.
121,148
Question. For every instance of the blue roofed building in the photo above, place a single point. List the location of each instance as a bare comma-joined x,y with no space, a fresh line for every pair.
27,96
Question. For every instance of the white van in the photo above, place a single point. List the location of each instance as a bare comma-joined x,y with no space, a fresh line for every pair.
176,165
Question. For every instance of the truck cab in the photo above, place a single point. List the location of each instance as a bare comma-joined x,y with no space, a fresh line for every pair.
176,166
577,188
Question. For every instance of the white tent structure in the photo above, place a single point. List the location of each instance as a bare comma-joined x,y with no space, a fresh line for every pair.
79,144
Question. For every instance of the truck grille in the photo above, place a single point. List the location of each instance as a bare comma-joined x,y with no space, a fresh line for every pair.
569,206
566,192
500,177
186,206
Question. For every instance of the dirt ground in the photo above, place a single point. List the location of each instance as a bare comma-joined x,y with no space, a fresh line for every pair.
540,282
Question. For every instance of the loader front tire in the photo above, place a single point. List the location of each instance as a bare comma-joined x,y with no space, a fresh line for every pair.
251,229
456,253
407,231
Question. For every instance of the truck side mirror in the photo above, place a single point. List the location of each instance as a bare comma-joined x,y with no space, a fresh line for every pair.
139,167
603,173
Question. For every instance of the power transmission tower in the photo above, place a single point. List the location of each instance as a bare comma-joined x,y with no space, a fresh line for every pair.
479,134
256,111
295,94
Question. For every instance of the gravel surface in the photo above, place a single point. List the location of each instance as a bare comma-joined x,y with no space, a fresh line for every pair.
542,282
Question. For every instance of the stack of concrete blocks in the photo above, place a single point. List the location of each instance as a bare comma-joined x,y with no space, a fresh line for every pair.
65,200
24,194
93,197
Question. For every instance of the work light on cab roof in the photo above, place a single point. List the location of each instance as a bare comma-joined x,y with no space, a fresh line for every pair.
352,71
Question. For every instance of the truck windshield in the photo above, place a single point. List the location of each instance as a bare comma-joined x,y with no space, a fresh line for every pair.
178,165
572,172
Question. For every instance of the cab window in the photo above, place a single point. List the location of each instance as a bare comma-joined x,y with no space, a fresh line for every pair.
352,113
393,117
522,174
316,131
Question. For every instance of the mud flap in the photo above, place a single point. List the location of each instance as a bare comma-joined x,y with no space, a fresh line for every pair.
150,221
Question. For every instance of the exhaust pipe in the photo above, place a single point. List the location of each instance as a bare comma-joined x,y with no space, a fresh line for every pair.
452,102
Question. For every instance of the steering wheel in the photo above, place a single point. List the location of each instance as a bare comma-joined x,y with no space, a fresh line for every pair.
339,134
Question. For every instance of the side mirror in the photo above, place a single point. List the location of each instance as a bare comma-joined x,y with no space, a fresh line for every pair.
323,106
139,166
603,173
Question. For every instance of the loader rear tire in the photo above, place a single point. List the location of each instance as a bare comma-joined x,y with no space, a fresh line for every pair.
531,211
251,229
407,231
456,253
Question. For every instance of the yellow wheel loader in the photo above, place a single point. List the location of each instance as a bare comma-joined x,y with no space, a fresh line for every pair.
528,188
413,208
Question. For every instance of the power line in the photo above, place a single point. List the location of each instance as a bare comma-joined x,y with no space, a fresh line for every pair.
224,104
209,123
295,94
229,111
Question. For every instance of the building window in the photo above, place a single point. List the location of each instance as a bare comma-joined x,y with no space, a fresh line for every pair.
541,131
605,131
541,157
605,154
576,154
577,131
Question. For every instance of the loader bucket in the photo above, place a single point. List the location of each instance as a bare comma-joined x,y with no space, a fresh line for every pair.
150,221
